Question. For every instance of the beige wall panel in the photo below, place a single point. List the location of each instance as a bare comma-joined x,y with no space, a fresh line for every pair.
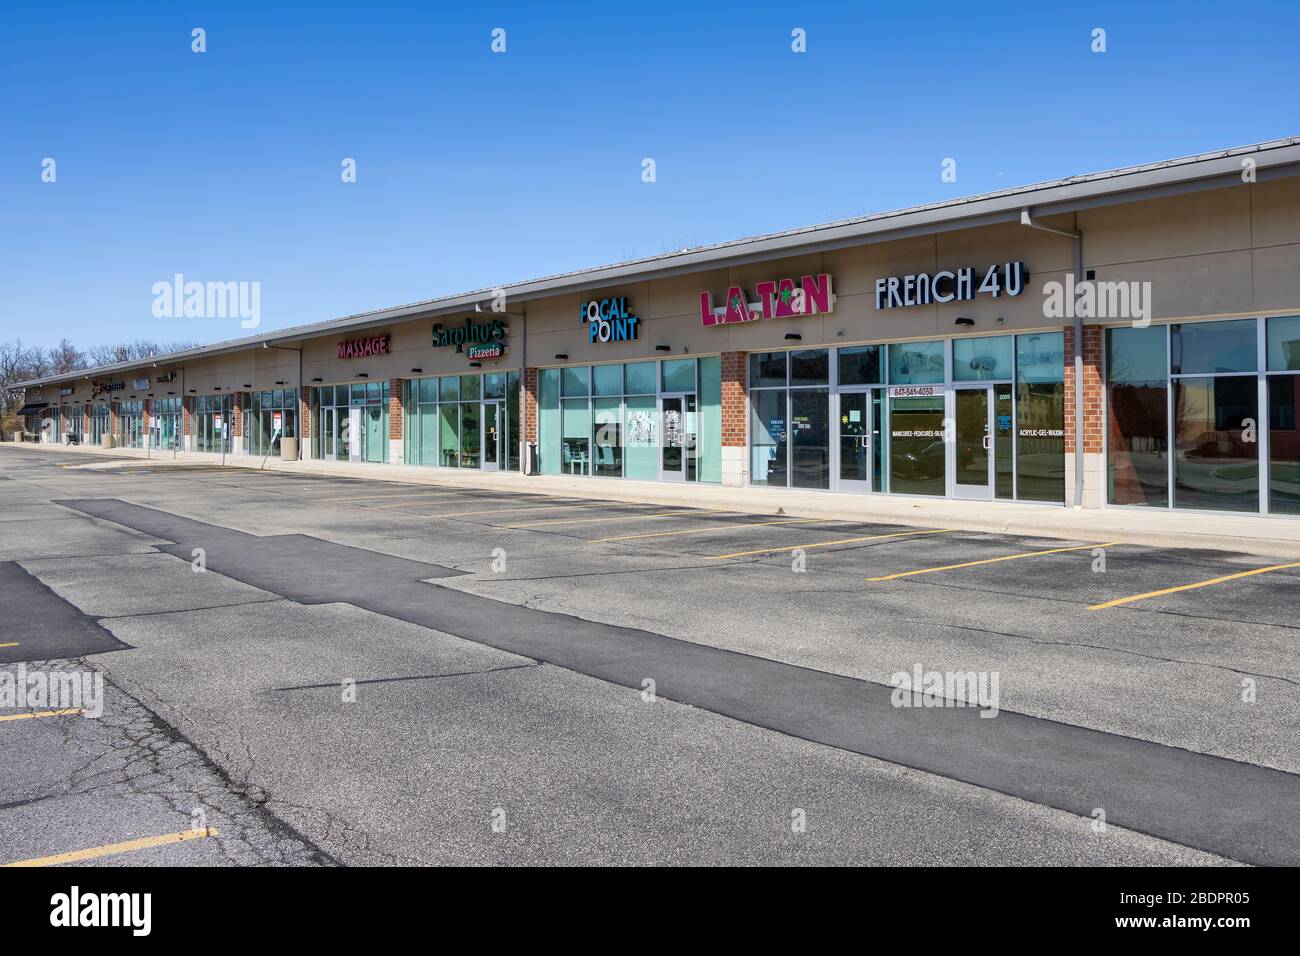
1216,220
1189,286
1275,212
1276,273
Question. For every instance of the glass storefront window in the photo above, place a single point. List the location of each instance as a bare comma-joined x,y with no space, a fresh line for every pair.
640,378
810,453
1137,466
642,436
575,381
767,368
575,425
982,360
449,389
1215,466
607,418
679,375
1203,348
859,365
1040,416
768,437
470,388
917,453
1284,343
916,363
607,380
1283,444
810,367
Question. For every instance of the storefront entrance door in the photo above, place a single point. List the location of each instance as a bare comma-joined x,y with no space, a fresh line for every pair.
973,443
861,445
491,436
677,414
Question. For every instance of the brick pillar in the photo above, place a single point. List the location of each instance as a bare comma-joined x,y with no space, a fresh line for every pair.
529,379
735,419
304,423
236,419
396,447
185,422
1094,473
112,419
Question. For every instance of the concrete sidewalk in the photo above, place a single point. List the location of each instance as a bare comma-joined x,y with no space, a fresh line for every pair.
1247,534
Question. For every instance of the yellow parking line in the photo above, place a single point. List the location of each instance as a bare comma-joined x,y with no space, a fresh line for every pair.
77,856
42,713
619,516
737,525
10,644
825,544
1192,587
1005,557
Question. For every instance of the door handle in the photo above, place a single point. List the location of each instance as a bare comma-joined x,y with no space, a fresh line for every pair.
987,441
866,441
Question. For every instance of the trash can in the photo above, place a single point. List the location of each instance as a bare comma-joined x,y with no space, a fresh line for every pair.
106,441
288,449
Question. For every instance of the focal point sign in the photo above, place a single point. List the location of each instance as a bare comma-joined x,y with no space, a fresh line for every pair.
777,299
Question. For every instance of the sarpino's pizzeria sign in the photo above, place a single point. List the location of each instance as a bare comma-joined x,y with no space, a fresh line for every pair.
361,348
777,299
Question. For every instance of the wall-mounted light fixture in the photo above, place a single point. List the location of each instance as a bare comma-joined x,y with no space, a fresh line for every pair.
277,383
663,348
417,371
171,393
246,385
362,375
475,364
193,390
793,337
561,357
318,379
216,388
963,320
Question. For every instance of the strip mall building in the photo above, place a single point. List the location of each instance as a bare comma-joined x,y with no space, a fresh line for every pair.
1125,338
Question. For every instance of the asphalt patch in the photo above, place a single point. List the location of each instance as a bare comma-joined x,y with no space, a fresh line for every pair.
44,626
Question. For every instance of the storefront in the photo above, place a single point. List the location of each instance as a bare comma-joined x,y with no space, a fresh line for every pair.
1202,415
213,423
978,418
268,417
100,422
463,421
130,423
352,422
647,420
165,424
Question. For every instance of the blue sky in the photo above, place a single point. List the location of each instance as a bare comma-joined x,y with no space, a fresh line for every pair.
476,169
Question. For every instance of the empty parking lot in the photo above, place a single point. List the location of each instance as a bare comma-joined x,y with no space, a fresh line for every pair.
367,671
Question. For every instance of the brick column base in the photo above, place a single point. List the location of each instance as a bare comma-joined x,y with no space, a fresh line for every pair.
396,447
1094,466
735,419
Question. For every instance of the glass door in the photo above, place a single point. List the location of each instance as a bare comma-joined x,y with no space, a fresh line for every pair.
856,451
375,436
677,416
973,444
491,436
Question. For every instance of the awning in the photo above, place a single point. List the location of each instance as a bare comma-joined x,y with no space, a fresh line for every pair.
32,408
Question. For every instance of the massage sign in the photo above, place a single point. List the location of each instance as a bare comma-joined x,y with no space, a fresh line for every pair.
363,348
478,340
777,299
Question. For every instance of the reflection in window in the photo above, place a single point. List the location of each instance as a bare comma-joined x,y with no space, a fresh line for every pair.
1215,467
1137,468
1283,444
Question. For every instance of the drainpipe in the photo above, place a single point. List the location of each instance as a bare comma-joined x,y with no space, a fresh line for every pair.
1027,220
